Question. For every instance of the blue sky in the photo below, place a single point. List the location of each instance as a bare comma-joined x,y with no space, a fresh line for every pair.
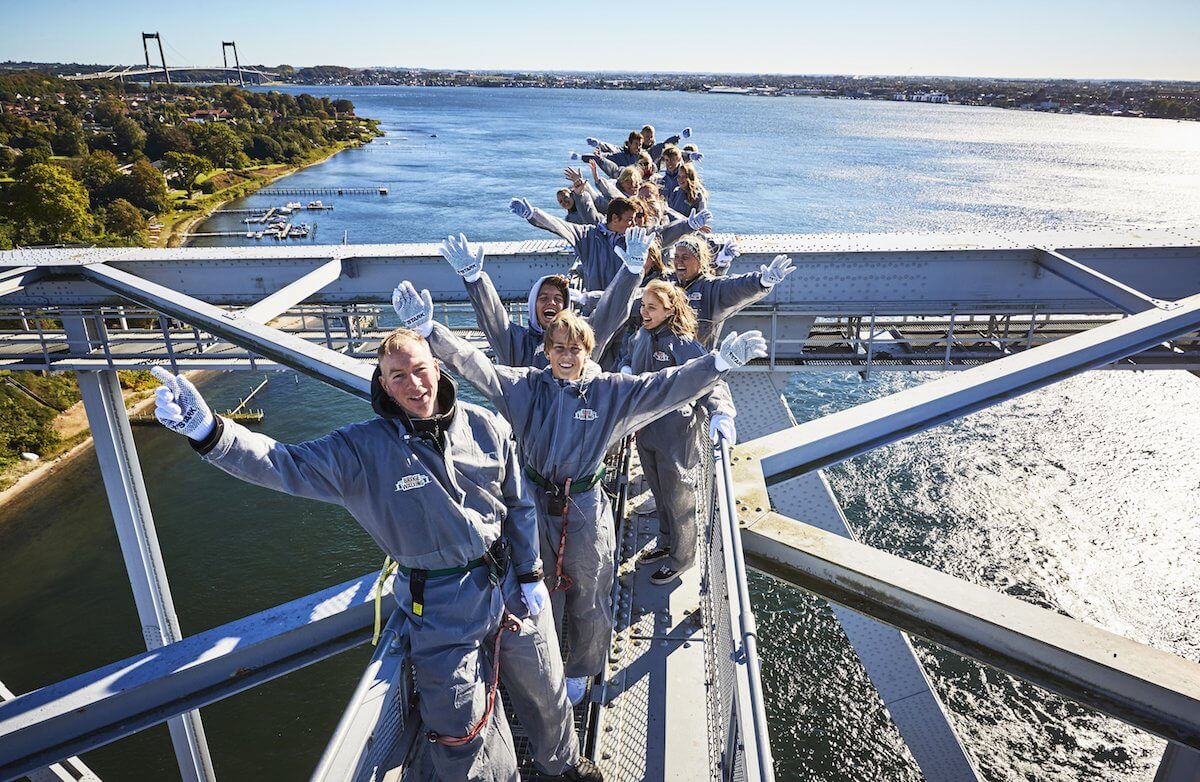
1156,39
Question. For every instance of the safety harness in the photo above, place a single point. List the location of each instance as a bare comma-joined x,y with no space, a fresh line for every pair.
560,506
497,561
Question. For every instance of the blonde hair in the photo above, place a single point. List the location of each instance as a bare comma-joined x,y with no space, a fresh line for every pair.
631,177
401,336
698,245
683,319
689,182
654,256
576,328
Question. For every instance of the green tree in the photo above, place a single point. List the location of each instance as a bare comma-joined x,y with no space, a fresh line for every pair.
186,167
129,136
217,142
25,426
52,205
144,186
99,171
68,135
263,147
162,139
124,219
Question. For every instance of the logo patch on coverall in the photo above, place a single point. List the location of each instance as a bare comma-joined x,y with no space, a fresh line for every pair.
585,414
410,482
695,296
661,356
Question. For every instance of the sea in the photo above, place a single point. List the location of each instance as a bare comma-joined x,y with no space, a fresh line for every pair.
1082,498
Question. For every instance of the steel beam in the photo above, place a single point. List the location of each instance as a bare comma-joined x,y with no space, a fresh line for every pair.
845,434
284,299
1179,764
114,701
340,371
19,278
1118,294
1150,689
130,506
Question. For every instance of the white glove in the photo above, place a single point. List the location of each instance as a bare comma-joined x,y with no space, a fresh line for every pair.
728,252
179,406
415,310
578,297
637,243
694,157
626,370
521,208
738,350
686,133
594,143
697,220
723,425
536,596
771,274
574,156
466,260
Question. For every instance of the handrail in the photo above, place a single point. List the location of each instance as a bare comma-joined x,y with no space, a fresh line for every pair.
751,713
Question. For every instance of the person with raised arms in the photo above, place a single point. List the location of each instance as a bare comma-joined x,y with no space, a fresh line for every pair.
436,484
714,298
565,417
524,346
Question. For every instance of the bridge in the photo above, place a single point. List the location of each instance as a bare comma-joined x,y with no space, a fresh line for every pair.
1004,313
135,72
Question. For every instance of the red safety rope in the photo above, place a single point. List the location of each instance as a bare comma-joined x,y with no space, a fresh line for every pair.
563,582
513,625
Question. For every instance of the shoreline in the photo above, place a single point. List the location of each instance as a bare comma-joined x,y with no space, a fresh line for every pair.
177,234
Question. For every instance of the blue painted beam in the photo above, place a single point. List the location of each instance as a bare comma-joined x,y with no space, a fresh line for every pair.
109,703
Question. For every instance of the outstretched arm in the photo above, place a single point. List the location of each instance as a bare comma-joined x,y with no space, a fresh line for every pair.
537,218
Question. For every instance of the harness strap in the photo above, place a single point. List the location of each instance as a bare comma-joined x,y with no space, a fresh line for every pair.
512,625
577,486
563,582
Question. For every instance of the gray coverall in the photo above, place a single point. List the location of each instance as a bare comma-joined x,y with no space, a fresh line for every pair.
438,500
524,346
594,244
678,202
669,448
716,298
563,429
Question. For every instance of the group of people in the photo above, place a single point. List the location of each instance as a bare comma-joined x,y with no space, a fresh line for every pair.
492,518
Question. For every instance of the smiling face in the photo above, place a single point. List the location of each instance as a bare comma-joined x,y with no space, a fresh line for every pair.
567,358
654,311
619,223
409,374
687,265
565,200
549,302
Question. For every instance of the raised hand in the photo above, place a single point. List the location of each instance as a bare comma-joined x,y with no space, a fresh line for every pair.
738,350
574,176
594,143
773,273
728,252
521,208
415,309
722,425
637,243
179,406
574,156
693,157
686,133
466,260
697,220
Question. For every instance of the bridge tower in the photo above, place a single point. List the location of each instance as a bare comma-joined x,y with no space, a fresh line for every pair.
162,57
224,46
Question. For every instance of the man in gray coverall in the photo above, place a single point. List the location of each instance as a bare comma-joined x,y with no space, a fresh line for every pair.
435,482
565,418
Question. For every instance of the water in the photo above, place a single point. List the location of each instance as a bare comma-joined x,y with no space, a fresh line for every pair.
1081,498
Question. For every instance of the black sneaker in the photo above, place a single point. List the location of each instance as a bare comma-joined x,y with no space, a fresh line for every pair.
653,556
584,771
664,575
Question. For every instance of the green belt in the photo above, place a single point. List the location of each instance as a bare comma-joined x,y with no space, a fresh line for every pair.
446,571
577,486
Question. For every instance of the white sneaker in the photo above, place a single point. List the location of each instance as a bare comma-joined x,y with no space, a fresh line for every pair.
576,689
